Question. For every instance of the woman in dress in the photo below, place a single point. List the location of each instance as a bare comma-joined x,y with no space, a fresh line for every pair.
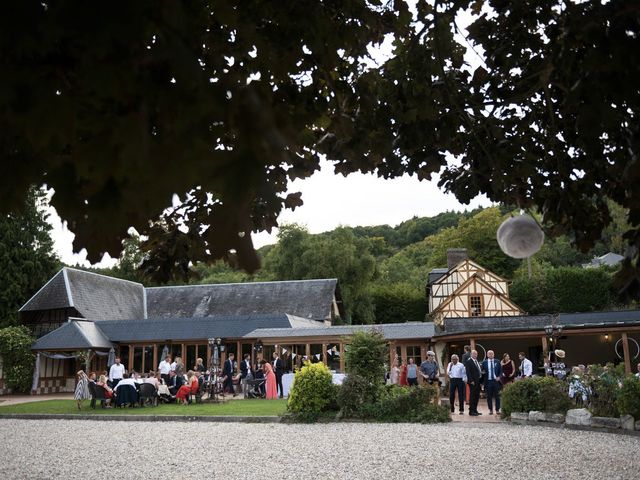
82,389
186,388
508,369
199,366
272,392
108,391
179,367
403,374
394,376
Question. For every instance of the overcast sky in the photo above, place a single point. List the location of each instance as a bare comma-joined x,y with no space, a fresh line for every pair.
329,201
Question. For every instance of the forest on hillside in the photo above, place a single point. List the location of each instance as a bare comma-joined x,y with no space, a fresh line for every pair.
383,270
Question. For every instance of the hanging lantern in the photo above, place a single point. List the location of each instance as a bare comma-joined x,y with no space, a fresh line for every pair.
520,237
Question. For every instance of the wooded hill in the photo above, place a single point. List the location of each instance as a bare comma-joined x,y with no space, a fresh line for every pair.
382,270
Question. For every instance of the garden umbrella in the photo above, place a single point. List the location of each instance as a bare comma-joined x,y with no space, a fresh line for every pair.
112,358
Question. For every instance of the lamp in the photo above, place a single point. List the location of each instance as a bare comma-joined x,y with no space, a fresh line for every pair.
258,346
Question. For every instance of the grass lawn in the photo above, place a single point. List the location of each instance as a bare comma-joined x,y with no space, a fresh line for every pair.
232,407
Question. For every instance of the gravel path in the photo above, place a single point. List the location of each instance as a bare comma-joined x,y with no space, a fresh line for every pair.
44,449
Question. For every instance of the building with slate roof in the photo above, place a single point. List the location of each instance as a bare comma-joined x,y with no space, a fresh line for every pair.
83,311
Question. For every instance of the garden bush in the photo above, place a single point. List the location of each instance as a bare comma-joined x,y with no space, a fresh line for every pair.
366,356
605,388
628,401
410,405
312,392
356,395
545,394
18,361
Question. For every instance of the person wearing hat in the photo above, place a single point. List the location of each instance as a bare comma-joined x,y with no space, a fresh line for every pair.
429,368
559,368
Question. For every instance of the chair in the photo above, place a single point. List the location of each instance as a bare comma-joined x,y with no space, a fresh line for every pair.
148,392
97,393
126,394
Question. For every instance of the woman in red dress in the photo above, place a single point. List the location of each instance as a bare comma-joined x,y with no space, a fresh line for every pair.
403,374
272,392
508,369
185,390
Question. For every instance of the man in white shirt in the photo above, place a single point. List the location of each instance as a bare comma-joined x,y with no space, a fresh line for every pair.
526,367
116,373
457,377
165,368
125,381
638,374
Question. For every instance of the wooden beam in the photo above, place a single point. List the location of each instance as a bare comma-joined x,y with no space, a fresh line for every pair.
307,349
341,357
155,357
130,364
472,343
545,347
207,360
627,356
324,353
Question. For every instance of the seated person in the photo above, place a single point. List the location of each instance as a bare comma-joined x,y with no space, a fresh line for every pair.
186,389
102,382
152,379
126,380
175,382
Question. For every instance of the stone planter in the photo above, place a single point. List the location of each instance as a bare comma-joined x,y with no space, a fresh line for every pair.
627,422
579,416
605,422
519,417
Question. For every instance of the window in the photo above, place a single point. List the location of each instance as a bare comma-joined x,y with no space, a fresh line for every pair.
415,353
475,304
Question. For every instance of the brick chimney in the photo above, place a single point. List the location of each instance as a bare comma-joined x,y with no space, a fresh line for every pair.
455,256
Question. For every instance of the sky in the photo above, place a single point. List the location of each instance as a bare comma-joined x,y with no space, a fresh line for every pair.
329,201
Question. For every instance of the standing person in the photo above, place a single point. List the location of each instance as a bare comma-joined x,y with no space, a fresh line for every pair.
492,372
466,356
429,368
474,374
403,374
82,389
227,372
412,373
165,368
246,374
457,377
272,391
278,368
116,373
638,374
508,369
394,375
179,368
526,367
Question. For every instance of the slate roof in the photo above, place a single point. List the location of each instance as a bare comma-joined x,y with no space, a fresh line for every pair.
391,331
94,296
538,322
609,259
177,329
311,299
74,335
436,274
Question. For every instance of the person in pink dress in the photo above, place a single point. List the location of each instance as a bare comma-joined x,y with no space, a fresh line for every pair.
272,392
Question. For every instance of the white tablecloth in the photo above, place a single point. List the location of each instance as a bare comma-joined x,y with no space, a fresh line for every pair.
287,380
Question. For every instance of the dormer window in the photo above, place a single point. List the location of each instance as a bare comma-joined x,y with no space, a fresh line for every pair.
475,306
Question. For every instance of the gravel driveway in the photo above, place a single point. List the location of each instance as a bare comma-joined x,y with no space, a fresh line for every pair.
44,449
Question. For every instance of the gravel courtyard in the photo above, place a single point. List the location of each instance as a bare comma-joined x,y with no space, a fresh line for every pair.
44,449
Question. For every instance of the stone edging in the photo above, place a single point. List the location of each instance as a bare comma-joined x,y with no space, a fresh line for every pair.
144,418
579,419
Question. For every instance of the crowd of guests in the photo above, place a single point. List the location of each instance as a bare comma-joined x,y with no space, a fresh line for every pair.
466,376
173,384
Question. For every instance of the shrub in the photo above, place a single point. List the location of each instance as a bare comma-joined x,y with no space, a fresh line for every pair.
15,349
545,394
410,405
628,401
312,392
366,356
356,395
605,388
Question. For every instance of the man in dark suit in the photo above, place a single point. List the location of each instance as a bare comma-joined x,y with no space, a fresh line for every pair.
474,375
227,372
175,382
278,368
246,373
492,371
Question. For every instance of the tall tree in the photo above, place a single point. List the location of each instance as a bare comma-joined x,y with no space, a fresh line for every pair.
337,254
27,259
118,106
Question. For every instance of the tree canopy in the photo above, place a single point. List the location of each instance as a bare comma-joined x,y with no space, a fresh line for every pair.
119,106
27,260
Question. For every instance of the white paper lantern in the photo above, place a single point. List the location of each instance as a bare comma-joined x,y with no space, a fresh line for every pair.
520,237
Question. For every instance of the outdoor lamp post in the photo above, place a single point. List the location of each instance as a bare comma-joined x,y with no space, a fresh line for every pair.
553,332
